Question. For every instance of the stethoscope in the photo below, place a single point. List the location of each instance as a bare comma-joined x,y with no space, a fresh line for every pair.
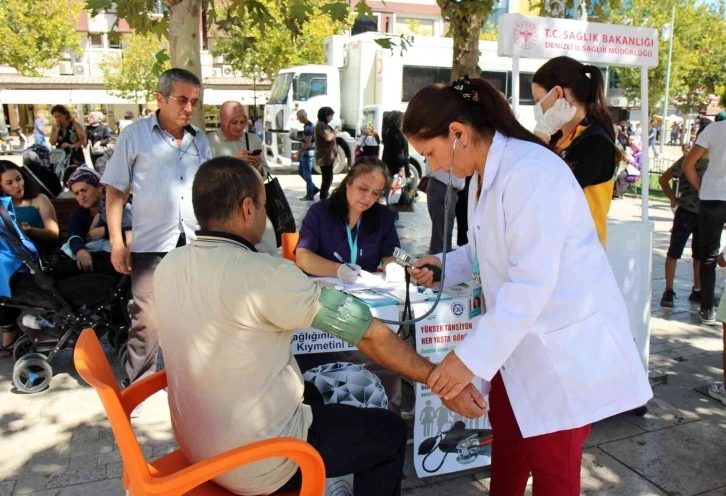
407,313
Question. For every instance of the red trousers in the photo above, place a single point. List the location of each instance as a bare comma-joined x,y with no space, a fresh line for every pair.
553,459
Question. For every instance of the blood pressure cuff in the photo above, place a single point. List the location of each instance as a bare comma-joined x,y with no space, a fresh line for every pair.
342,316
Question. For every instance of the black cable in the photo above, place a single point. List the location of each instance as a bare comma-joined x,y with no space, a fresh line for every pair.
423,462
447,202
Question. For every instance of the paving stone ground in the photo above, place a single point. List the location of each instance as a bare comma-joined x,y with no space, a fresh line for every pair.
58,442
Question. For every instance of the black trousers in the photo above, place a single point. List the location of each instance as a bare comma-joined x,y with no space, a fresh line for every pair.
367,442
327,172
462,212
711,219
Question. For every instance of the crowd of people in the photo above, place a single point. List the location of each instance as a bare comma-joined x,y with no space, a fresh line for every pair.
183,214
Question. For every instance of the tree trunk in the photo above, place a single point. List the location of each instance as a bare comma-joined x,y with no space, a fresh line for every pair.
465,23
184,47
466,46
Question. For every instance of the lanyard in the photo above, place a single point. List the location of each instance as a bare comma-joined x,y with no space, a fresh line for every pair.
475,262
353,242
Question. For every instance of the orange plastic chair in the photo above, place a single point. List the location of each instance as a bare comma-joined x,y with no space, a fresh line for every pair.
174,474
289,242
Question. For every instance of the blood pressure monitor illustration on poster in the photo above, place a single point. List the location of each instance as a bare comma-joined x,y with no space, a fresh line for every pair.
455,438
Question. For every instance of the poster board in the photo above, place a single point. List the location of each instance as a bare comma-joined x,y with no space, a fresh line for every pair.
443,441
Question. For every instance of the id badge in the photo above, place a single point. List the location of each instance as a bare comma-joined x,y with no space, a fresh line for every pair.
476,301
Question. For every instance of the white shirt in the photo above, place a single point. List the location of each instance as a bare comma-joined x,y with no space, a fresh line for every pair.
161,174
226,318
556,324
713,139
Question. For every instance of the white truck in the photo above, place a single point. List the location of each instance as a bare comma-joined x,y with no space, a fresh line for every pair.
360,80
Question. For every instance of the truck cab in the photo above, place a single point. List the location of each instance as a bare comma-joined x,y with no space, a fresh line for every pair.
307,88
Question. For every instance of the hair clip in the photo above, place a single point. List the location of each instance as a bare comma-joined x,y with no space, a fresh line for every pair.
464,88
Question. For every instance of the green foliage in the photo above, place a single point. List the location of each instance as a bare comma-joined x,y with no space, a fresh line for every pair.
257,50
697,67
138,13
134,74
34,36
488,32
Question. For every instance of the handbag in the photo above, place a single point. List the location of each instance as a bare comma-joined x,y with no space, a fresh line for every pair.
423,184
278,209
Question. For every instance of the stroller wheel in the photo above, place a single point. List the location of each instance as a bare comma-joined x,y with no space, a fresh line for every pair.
32,373
22,347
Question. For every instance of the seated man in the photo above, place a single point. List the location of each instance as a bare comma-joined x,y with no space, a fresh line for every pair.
226,319
233,140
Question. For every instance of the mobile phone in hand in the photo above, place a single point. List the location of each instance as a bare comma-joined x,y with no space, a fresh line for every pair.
256,153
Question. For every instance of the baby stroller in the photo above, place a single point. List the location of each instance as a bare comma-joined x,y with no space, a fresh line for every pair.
54,310
59,163
36,161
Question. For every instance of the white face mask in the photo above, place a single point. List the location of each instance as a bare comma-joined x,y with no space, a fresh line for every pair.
538,112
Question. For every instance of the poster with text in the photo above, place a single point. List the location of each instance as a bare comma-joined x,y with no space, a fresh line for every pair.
344,375
444,441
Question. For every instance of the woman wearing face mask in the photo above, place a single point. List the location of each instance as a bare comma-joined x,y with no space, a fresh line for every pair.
573,118
555,342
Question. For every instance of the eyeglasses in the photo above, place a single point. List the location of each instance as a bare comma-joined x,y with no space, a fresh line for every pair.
183,101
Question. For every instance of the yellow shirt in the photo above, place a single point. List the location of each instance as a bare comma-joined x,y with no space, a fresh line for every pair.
598,192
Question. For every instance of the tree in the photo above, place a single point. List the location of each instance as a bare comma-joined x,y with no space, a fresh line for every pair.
466,18
35,36
274,48
180,23
134,73
697,66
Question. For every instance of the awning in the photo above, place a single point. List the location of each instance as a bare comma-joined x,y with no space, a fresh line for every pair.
213,96
51,97
63,97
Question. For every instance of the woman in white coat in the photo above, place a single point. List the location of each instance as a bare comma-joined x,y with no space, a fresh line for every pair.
554,343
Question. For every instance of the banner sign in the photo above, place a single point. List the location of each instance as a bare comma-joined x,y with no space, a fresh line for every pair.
444,441
588,42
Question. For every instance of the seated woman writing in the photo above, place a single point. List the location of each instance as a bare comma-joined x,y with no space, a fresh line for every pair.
350,230
87,228
33,210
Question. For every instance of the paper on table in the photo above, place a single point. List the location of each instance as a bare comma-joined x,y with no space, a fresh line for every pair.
365,281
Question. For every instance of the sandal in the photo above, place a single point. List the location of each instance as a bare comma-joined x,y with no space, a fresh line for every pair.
6,351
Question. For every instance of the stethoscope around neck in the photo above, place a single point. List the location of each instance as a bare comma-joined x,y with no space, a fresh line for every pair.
407,311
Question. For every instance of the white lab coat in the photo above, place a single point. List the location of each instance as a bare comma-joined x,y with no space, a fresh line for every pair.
556,325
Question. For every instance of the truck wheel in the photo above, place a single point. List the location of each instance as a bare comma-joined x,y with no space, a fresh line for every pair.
341,166
414,173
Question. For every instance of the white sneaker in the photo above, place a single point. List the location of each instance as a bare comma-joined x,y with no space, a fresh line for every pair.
717,392
138,411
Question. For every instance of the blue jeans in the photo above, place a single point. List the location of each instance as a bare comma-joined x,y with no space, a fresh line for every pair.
305,169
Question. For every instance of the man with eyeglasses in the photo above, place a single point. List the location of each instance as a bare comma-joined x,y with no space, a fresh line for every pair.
157,158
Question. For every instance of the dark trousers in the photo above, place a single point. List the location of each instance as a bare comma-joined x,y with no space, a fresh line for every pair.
143,344
435,201
711,218
553,459
367,442
462,212
327,173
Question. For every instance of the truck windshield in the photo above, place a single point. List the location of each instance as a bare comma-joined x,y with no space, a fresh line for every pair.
307,86
280,88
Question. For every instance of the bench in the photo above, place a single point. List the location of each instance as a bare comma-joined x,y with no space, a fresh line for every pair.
63,208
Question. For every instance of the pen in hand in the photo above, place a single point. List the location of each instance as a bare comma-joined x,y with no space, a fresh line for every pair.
342,260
